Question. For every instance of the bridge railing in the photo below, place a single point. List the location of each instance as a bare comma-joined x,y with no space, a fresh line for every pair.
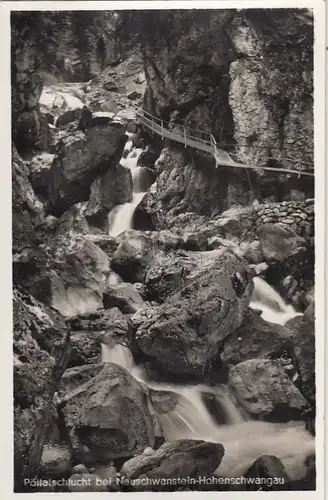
206,142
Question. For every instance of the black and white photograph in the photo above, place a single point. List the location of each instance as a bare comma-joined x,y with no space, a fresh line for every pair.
163,249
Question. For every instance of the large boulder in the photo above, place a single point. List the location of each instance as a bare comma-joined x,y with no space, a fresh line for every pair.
125,297
167,273
69,273
264,389
56,461
81,157
256,338
270,469
183,335
41,349
133,255
108,416
185,458
75,376
278,242
303,333
39,168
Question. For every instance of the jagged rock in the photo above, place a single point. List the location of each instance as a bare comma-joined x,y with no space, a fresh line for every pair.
107,243
256,338
108,190
80,469
56,461
263,388
70,274
40,352
108,416
80,159
106,322
73,221
147,159
167,274
84,349
178,459
303,333
194,241
271,469
165,240
183,335
67,117
75,376
125,297
89,331
279,243
252,253
39,176
133,256
27,209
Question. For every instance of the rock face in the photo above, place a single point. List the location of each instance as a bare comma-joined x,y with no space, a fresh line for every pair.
27,209
124,297
256,338
108,416
40,358
265,391
177,459
132,257
278,242
242,76
69,273
270,467
111,189
183,335
304,339
81,157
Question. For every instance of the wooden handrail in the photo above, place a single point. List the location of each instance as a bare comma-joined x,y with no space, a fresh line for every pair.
222,158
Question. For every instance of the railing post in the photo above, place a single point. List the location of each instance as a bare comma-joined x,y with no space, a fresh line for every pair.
162,127
185,137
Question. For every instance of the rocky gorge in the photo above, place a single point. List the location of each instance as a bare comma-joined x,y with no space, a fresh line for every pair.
163,324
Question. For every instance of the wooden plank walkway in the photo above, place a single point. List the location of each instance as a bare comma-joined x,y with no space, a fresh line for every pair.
205,142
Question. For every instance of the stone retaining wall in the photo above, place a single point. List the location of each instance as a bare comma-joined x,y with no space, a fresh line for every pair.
299,216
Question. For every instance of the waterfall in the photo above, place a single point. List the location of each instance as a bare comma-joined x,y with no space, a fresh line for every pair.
121,217
273,307
244,440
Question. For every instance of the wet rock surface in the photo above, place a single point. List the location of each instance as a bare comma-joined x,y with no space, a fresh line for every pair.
41,348
265,390
256,338
210,306
81,157
108,416
184,458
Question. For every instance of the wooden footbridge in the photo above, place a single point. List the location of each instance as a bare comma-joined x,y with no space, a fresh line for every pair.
205,142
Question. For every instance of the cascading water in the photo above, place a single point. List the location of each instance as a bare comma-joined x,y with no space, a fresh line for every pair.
244,440
273,307
120,218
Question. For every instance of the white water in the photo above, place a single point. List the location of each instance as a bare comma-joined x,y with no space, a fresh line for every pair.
274,308
244,440
120,218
